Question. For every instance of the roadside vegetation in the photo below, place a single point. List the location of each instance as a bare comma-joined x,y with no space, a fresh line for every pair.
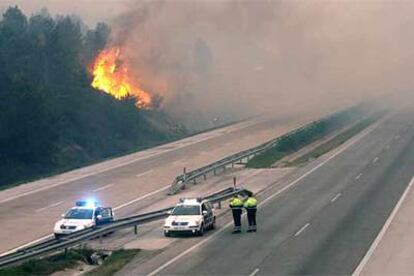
310,134
114,263
49,265
334,142
51,119
73,258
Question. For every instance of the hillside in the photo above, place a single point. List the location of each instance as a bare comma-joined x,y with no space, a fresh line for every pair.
50,118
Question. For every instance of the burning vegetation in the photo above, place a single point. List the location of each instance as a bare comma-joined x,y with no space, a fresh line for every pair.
111,75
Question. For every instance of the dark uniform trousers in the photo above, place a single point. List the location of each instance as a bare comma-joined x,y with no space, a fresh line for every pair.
237,212
251,217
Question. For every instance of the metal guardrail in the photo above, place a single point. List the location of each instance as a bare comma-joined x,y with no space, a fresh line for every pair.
180,181
49,246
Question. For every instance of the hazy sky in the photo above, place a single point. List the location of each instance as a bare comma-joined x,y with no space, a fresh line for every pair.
91,11
243,56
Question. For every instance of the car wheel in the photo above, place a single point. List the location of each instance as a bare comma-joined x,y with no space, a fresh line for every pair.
167,234
213,224
201,231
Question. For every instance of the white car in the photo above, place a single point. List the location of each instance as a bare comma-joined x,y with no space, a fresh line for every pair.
84,215
192,216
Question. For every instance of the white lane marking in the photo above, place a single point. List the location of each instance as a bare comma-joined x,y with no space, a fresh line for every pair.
179,162
103,187
27,244
141,197
384,229
336,197
219,231
302,229
254,272
116,208
358,176
375,160
143,155
144,173
49,206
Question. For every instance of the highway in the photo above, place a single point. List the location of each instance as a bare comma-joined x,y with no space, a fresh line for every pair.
320,219
28,212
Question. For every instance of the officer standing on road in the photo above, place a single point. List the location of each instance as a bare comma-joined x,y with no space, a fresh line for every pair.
236,205
251,207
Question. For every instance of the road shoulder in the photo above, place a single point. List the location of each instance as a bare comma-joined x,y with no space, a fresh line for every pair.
393,254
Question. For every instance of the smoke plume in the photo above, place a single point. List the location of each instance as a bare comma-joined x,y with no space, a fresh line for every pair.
245,57
225,58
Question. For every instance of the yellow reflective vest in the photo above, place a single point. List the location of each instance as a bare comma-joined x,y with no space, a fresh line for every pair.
251,202
236,202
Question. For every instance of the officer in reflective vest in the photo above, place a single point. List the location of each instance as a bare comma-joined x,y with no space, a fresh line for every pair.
251,207
236,205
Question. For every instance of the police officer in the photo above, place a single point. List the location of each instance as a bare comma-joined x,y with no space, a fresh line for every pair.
236,205
251,207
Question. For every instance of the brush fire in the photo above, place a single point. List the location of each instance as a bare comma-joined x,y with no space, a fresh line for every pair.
112,76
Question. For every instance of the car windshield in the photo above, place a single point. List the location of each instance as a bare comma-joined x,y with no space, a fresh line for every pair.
79,214
186,210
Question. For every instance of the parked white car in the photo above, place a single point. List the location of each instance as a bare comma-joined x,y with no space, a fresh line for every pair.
193,216
85,214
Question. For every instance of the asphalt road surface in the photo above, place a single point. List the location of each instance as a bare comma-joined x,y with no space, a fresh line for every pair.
321,221
28,212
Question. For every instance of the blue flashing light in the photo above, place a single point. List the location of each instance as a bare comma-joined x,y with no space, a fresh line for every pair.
89,203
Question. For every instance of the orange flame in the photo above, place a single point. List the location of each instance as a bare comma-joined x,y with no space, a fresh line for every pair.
113,77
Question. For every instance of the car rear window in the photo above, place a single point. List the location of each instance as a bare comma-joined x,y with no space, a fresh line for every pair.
79,214
186,210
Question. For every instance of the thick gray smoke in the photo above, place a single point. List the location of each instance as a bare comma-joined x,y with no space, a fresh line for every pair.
244,57
222,58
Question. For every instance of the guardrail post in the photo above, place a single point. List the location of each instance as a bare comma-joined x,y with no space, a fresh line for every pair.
219,205
232,164
195,180
135,230
214,171
205,176
100,239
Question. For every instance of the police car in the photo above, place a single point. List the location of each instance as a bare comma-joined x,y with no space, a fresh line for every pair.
86,214
190,215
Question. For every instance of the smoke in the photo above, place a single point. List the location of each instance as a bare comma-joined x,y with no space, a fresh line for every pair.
246,57
238,58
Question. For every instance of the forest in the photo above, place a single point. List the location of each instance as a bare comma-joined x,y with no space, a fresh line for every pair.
51,119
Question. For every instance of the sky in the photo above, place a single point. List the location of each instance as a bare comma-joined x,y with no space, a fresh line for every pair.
91,11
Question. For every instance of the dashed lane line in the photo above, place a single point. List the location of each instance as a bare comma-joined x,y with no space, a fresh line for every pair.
336,197
142,197
49,206
303,228
51,235
221,230
103,188
123,161
254,272
144,173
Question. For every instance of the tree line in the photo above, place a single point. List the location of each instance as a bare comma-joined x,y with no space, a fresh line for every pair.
51,119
